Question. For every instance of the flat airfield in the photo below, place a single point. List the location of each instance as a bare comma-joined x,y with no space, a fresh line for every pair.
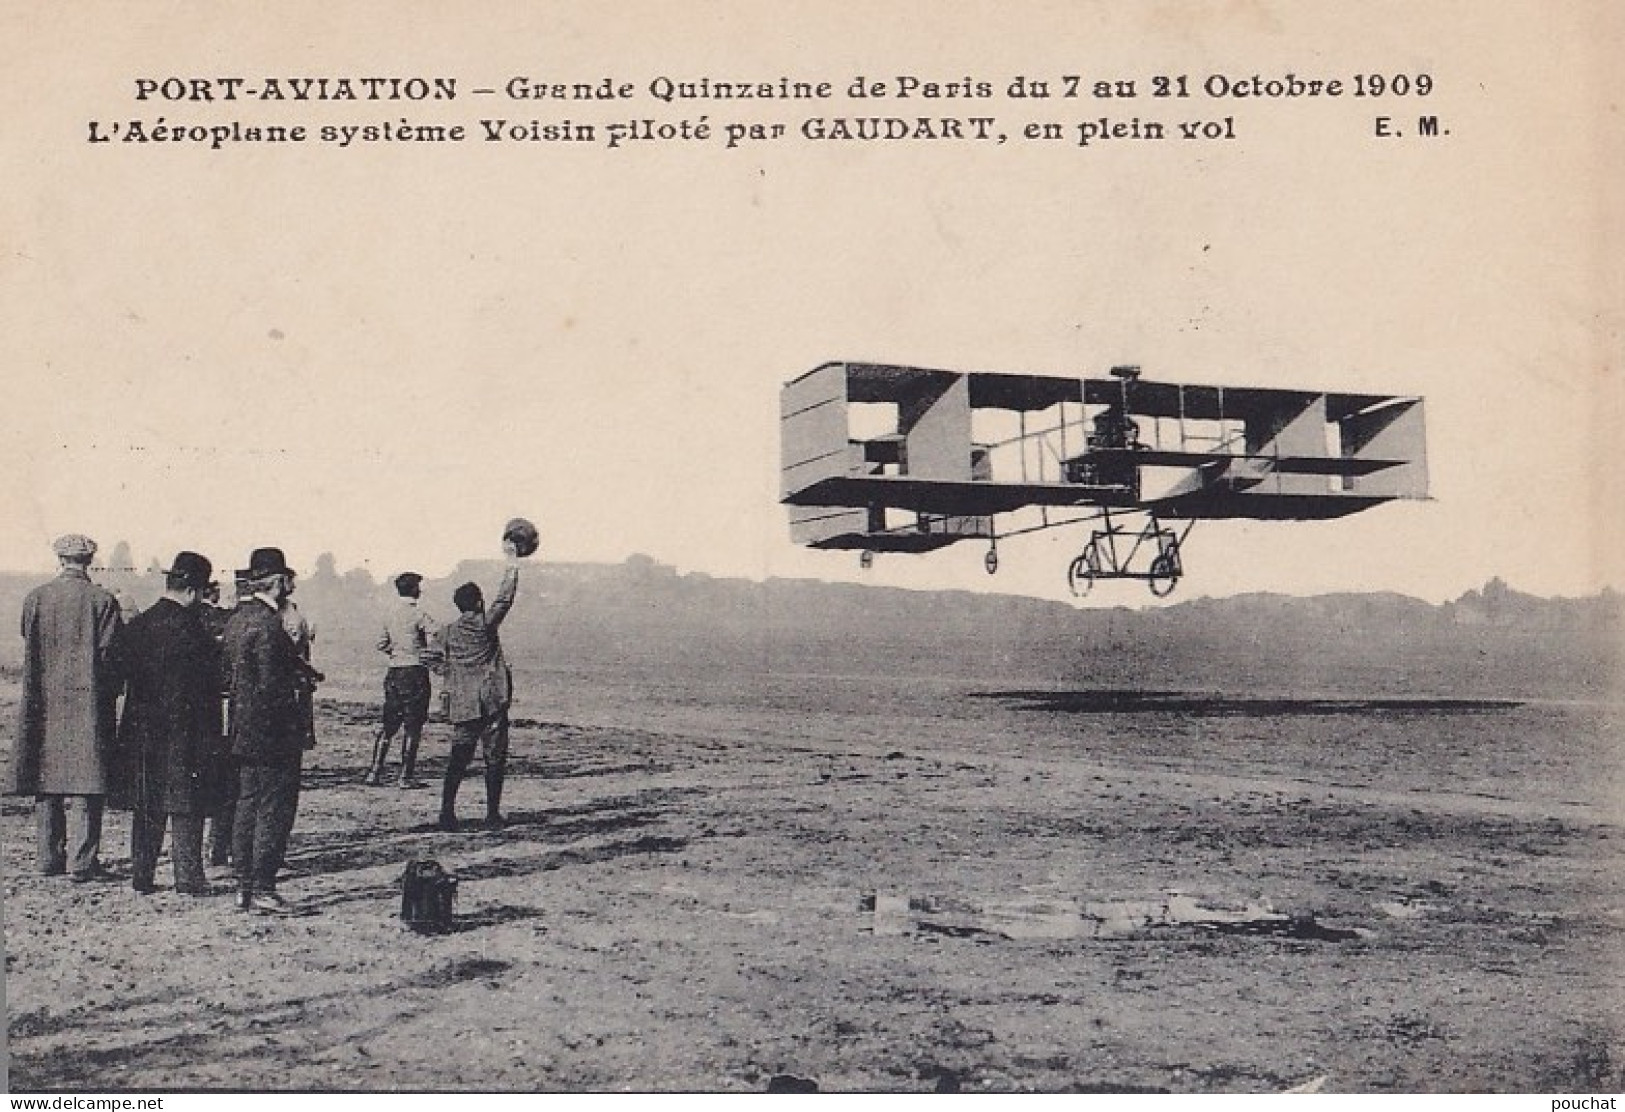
737,882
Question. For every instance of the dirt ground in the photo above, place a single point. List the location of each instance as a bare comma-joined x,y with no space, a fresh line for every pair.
731,883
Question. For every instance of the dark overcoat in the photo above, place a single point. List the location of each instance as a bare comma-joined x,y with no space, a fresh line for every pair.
169,743
68,713
266,722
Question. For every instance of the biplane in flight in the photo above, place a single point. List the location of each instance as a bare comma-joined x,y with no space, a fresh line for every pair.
880,458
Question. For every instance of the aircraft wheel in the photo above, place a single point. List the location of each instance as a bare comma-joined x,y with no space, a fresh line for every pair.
1084,569
1080,576
866,560
991,561
1164,575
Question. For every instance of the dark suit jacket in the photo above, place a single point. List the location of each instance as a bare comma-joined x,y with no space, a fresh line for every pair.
265,669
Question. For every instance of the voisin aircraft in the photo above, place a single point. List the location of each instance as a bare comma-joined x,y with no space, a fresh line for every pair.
880,458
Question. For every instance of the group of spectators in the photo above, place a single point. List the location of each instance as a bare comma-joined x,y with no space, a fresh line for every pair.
190,714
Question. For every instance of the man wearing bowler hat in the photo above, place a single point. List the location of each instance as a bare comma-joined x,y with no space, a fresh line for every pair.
169,759
68,712
268,737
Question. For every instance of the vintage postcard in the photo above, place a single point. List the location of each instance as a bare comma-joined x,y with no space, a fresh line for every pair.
1064,547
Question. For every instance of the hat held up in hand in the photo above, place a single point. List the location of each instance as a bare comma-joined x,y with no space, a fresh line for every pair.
525,537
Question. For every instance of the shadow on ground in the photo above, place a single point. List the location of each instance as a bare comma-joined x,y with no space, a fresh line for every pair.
1198,704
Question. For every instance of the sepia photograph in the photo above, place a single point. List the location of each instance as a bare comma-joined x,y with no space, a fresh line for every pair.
980,548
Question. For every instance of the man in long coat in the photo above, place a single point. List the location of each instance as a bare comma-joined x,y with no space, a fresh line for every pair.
268,737
67,716
479,689
169,737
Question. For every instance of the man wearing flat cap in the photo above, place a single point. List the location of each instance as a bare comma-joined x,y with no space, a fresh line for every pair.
407,641
169,766
71,630
267,732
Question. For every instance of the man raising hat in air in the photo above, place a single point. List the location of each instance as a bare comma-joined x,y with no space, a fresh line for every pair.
407,641
479,689
268,735
71,629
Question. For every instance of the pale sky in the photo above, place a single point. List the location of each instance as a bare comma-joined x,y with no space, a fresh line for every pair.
385,353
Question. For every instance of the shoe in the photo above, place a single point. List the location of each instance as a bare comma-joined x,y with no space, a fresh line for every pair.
412,785
374,779
143,887
194,890
93,875
448,823
269,903
495,822
245,899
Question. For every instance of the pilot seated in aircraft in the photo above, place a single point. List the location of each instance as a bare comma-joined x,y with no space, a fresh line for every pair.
1113,428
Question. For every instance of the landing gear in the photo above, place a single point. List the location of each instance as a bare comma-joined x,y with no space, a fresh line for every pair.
991,560
866,559
1117,552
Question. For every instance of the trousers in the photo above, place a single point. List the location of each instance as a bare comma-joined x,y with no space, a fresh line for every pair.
220,822
491,735
186,849
64,823
267,801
